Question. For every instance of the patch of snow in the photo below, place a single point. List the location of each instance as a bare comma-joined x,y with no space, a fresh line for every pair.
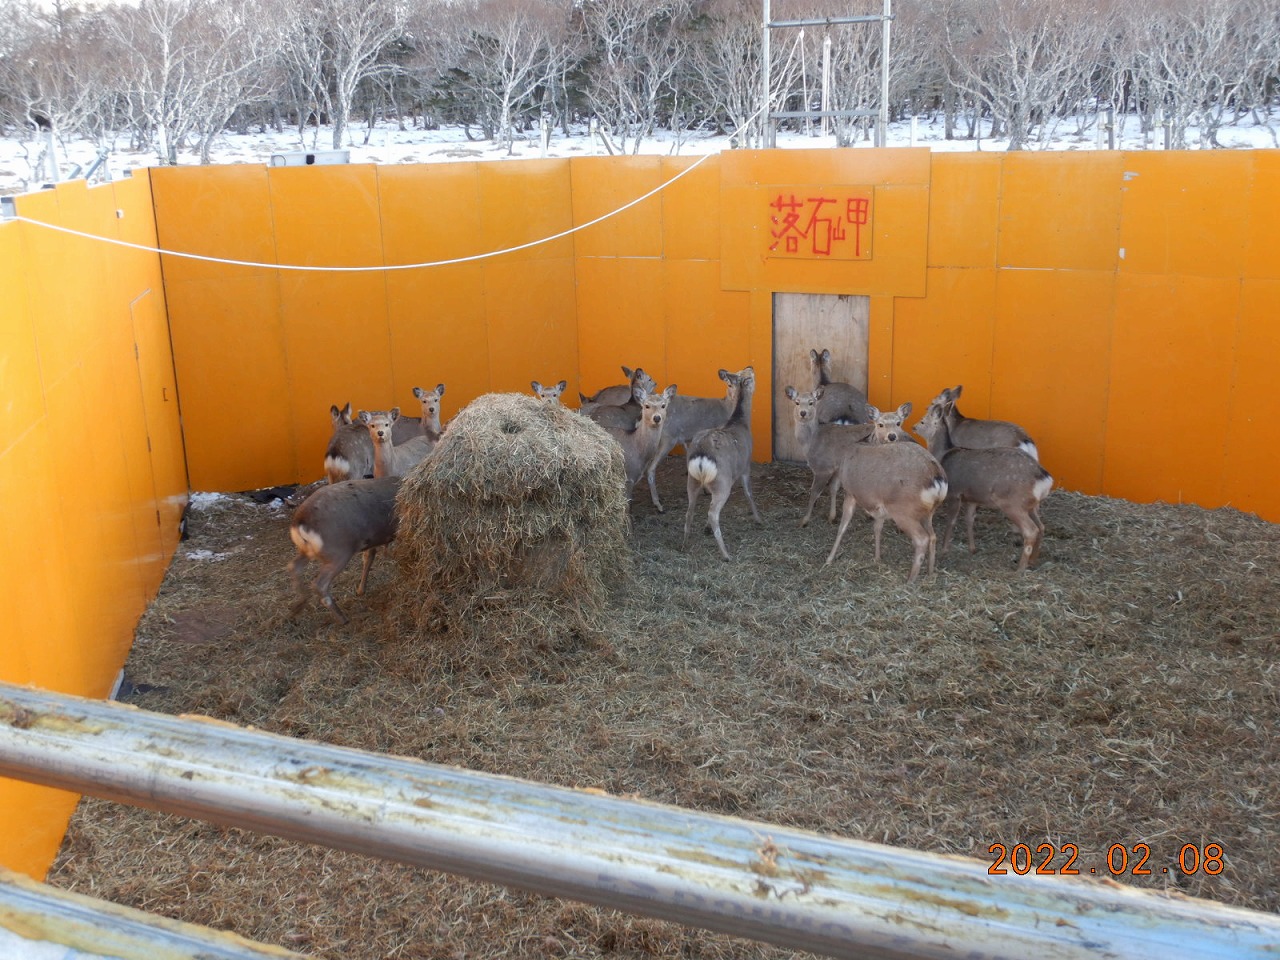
206,555
202,500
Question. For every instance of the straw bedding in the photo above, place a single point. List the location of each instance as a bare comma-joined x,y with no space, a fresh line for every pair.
1123,691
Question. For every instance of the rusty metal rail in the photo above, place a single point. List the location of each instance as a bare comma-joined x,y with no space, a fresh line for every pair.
794,888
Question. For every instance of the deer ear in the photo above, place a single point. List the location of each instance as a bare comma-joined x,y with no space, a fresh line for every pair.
394,414
826,356
418,392
363,416
439,389
818,394
955,394
627,372
561,385
872,411
670,391
790,392
904,411
537,387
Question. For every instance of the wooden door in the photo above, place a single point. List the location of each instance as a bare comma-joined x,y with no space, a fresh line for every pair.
812,321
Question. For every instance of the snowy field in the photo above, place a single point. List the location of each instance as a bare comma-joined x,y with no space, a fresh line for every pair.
388,144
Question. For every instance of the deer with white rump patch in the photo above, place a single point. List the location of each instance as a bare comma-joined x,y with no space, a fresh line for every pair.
332,526
720,457
686,417
977,434
841,402
1006,478
349,455
389,458
639,442
901,482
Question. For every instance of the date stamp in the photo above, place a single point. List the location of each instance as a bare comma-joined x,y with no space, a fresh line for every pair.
1122,859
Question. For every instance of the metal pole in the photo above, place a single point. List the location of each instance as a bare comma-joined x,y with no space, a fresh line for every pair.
826,84
766,125
37,920
882,131
802,890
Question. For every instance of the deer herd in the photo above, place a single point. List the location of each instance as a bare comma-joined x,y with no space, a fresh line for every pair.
849,445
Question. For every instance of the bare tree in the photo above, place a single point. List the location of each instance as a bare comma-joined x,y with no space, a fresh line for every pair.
726,62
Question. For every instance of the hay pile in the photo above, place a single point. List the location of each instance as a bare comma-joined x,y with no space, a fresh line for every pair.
513,531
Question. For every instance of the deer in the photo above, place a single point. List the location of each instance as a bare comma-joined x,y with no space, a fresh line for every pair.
824,445
686,417
621,415
901,482
1007,478
349,455
618,395
720,456
391,459
334,524
430,400
550,394
638,442
841,402
981,433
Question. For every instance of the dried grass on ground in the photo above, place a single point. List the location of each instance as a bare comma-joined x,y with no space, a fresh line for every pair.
1124,691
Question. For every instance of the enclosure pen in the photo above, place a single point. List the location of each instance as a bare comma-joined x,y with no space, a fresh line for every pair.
803,890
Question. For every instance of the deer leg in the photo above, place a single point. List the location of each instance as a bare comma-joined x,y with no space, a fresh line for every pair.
835,497
296,569
877,525
324,586
694,489
746,488
364,570
664,448
718,500
953,512
971,511
1030,539
815,491
850,504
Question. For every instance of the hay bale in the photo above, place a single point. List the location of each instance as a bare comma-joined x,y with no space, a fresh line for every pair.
513,531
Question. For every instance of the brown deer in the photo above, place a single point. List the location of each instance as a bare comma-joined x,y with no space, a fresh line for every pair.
618,395
1004,477
841,402
349,455
639,441
686,417
334,524
430,400
901,482
389,458
721,456
552,393
976,434
825,446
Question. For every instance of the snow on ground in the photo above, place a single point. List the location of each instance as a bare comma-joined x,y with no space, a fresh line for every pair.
389,144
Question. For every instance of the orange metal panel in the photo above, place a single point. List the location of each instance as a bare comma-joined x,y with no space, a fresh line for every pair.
430,213
1261,259
622,319
21,402
1049,372
230,359
220,211
1185,212
1253,431
1060,210
1171,353
532,324
525,202
964,201
601,185
942,340
34,819
691,209
896,165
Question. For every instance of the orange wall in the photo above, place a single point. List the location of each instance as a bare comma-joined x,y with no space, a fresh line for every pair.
89,510
1111,302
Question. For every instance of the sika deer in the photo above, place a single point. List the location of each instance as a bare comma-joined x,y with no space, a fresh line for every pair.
349,455
618,395
430,400
825,447
841,402
389,458
1006,478
639,442
332,526
550,394
979,434
719,457
686,417
897,481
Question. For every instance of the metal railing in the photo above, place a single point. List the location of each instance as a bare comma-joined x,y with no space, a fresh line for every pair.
790,887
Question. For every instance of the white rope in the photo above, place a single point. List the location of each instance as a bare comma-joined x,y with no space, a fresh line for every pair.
401,266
